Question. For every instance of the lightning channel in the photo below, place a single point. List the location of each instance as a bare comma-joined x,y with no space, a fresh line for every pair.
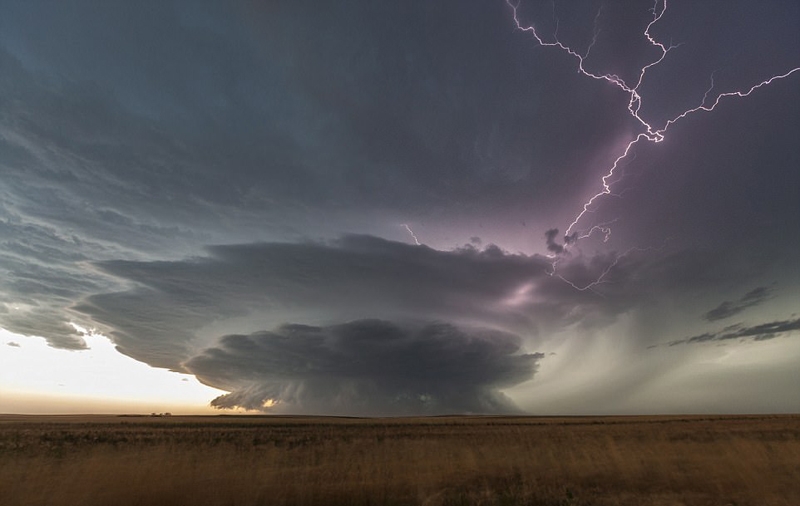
650,132
413,236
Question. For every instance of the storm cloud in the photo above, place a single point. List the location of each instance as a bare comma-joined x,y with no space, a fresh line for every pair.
340,310
552,245
371,367
173,307
253,286
427,331
760,332
728,308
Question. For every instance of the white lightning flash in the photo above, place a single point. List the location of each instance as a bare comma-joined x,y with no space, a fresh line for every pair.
413,236
649,131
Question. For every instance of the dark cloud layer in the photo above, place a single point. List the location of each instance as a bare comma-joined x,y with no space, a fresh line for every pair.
368,367
728,308
390,358
355,277
175,311
552,245
174,305
760,332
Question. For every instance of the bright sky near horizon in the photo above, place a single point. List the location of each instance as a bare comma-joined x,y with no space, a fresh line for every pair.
38,379
391,208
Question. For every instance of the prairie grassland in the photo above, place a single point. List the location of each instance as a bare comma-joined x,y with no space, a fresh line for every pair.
440,461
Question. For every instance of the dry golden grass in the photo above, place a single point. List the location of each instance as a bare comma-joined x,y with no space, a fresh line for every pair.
443,461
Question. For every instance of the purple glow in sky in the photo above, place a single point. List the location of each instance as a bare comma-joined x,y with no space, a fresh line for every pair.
650,133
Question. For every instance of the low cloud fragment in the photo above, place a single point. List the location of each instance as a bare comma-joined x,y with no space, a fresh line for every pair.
367,367
46,323
552,245
730,308
761,332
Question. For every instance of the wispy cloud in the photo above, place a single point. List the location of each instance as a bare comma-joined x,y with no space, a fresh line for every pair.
760,332
728,308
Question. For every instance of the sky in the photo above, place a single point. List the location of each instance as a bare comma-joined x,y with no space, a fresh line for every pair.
400,208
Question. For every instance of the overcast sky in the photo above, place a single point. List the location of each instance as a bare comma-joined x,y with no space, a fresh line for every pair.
360,207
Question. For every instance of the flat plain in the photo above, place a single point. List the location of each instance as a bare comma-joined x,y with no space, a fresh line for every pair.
436,461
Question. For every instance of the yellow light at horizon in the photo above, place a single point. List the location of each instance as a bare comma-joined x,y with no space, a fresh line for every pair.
35,378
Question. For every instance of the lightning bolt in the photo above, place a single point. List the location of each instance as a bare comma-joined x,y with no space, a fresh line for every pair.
650,132
413,236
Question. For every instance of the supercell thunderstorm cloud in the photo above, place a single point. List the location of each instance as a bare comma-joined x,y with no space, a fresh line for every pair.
367,366
392,208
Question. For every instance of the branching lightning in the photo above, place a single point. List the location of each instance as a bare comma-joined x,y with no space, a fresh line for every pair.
651,132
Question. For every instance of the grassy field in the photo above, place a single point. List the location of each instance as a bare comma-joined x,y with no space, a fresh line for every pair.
234,460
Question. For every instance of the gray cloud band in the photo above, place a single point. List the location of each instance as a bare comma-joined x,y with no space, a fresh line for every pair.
368,367
728,308
424,330
246,288
760,332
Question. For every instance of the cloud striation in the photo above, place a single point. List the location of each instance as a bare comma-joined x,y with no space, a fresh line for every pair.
372,367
